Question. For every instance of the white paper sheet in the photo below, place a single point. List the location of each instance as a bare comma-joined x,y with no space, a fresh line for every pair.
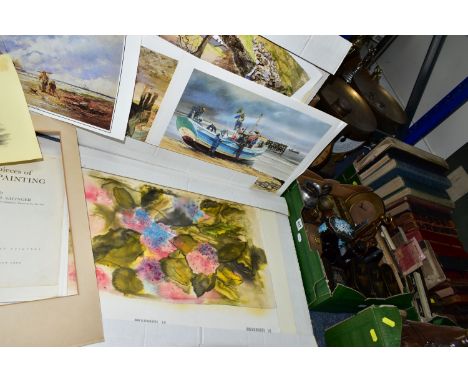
133,322
32,209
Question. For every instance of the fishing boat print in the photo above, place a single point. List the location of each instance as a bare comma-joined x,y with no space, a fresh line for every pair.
234,144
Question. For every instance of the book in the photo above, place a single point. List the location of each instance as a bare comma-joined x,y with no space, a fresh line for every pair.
441,246
437,237
398,183
32,200
374,167
389,143
421,207
394,168
409,221
409,256
419,194
431,269
432,221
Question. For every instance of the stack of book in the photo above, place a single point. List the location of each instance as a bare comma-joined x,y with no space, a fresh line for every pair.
413,185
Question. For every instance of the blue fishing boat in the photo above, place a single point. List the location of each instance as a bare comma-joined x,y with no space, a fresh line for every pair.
202,135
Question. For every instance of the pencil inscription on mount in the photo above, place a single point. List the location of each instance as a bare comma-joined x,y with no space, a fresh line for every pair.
160,243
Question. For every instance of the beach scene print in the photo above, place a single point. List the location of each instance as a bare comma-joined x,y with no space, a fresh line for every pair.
162,244
225,125
249,56
154,74
72,76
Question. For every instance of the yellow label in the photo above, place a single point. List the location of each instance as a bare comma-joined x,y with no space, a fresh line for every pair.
388,322
432,301
373,335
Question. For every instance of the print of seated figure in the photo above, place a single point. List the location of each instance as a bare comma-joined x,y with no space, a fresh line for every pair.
52,88
43,81
140,112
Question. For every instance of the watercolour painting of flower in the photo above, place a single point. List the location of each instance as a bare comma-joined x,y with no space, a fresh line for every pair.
159,243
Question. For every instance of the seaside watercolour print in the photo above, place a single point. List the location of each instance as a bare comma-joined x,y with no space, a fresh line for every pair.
249,56
72,76
154,74
223,124
162,244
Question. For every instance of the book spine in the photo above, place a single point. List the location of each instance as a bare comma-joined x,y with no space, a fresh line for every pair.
390,199
424,176
418,184
409,225
436,238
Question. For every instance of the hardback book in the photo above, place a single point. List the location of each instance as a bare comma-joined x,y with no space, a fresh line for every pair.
421,207
409,221
374,167
419,194
449,240
394,168
399,182
431,269
409,256
392,143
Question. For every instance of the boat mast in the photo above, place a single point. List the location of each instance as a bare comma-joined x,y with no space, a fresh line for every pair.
256,123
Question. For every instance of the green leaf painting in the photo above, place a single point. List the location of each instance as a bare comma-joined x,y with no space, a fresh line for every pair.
155,243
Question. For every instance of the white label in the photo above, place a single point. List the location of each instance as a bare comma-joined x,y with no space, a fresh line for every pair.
299,224
459,179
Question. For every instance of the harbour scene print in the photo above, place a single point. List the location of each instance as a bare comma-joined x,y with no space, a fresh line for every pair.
250,56
72,76
225,125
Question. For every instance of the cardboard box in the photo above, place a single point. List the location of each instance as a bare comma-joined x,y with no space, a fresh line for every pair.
319,296
374,326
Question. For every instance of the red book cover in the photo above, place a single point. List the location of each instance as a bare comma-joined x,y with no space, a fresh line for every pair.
448,250
433,237
410,256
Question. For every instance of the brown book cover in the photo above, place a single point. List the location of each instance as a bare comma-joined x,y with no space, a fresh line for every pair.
409,221
420,206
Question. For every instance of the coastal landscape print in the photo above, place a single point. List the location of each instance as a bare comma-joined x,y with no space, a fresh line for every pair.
154,74
249,56
225,125
162,244
73,76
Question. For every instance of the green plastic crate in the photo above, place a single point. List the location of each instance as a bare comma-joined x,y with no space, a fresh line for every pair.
374,326
318,294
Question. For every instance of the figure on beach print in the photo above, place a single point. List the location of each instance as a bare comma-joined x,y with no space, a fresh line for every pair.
76,77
